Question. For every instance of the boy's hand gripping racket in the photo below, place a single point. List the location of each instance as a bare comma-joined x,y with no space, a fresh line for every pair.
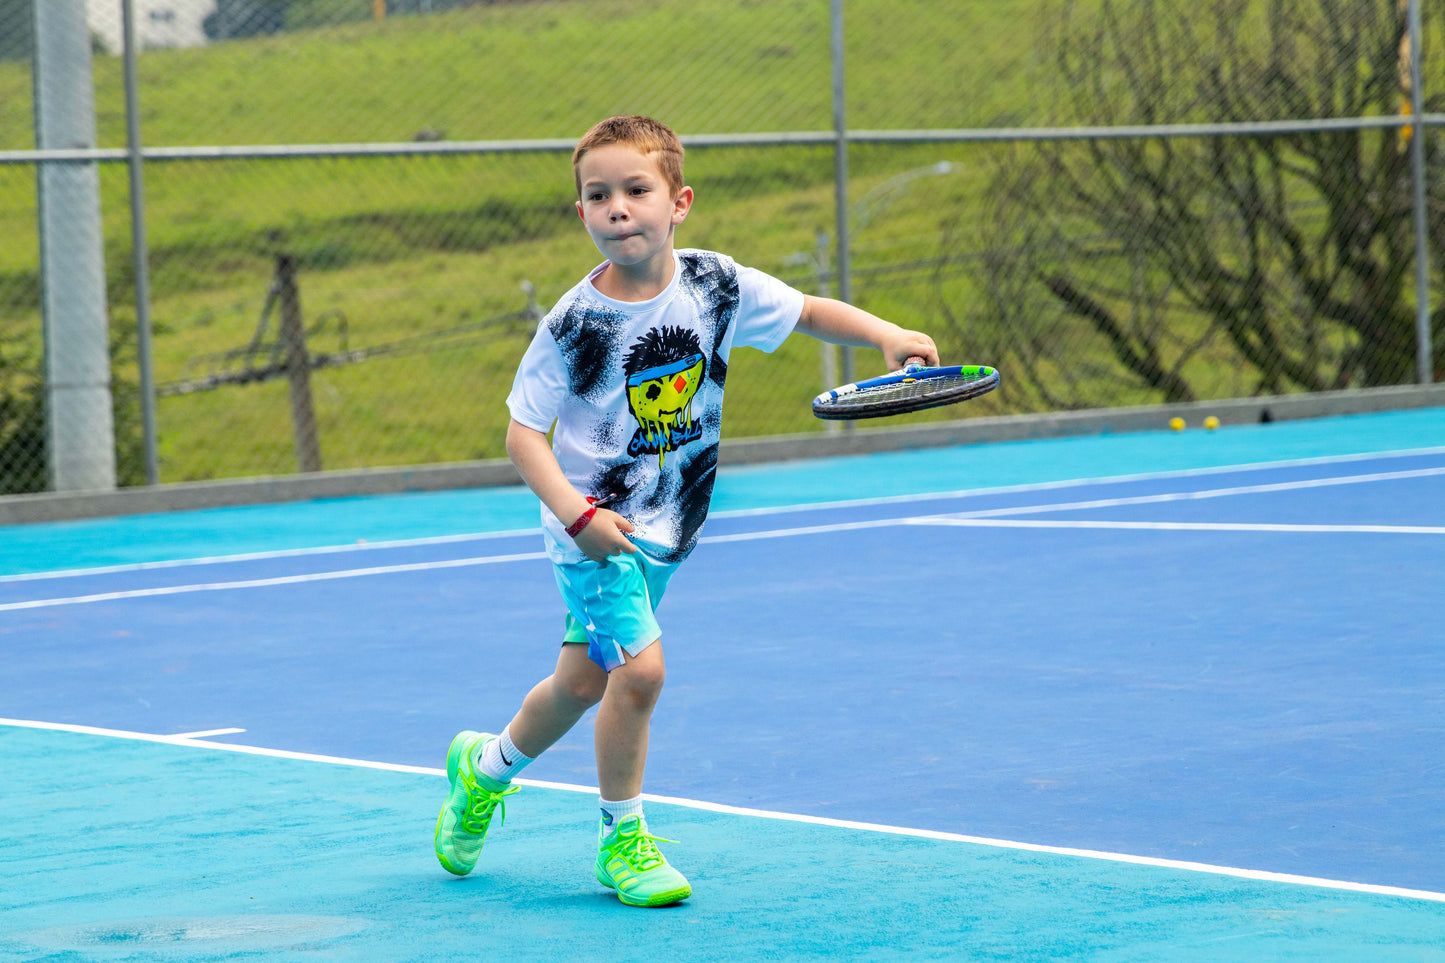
913,388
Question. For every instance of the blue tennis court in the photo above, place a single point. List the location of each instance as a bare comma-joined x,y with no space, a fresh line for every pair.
1154,696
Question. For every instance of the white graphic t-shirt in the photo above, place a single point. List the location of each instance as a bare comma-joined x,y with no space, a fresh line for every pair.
636,390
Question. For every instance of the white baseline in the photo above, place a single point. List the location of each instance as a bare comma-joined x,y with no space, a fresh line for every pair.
1184,865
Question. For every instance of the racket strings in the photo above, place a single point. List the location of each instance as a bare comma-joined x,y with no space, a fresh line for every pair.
903,390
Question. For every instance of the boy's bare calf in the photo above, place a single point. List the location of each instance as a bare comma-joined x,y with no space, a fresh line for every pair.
623,720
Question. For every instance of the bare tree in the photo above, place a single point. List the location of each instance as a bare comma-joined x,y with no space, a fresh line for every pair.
1201,266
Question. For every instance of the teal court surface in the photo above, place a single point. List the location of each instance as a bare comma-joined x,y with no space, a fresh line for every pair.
1161,696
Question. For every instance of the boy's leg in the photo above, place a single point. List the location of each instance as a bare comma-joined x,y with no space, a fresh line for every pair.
628,859
480,771
555,704
624,719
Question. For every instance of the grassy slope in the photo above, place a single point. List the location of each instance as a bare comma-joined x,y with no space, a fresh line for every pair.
398,247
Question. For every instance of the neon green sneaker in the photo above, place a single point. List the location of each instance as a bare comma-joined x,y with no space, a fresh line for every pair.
629,862
465,816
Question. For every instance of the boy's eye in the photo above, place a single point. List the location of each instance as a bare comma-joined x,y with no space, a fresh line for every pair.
639,190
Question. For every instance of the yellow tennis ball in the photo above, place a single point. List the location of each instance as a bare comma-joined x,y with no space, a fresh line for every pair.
1211,422
1176,423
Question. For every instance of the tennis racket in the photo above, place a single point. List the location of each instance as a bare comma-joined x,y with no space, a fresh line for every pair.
913,388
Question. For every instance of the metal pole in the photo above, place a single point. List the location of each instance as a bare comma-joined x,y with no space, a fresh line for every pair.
1424,350
840,174
840,183
828,353
140,249
80,435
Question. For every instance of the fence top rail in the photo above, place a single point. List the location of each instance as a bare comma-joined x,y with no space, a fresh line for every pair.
1235,129
776,139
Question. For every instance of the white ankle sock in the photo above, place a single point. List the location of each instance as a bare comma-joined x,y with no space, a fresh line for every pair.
614,811
501,759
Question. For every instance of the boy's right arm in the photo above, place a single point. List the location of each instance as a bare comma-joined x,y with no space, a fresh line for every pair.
603,536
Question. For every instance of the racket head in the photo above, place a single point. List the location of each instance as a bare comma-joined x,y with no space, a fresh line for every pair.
913,388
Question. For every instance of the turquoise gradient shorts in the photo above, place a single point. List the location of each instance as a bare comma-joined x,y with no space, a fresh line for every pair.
610,607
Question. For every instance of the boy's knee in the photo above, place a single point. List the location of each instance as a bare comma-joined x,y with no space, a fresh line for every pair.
643,676
585,690
585,686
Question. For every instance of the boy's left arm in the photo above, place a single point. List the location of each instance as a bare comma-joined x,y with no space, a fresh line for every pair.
841,323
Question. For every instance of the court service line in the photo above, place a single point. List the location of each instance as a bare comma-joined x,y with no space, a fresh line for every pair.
717,539
393,569
1083,482
1206,493
1176,526
265,582
738,512
1153,861
361,545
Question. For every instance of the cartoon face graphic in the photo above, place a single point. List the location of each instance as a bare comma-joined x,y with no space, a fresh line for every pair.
664,370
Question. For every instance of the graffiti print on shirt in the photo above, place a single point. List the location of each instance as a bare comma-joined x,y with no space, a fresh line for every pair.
664,369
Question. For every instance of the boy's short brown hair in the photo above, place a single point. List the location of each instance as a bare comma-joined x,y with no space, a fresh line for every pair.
643,134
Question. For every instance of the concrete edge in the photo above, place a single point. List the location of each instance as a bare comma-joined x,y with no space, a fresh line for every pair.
182,496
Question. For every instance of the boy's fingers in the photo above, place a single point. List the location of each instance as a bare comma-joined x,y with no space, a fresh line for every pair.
927,349
626,548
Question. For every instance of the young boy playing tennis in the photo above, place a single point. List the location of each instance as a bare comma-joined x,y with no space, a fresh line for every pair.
629,366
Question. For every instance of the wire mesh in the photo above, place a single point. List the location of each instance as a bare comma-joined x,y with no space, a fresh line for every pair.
1093,272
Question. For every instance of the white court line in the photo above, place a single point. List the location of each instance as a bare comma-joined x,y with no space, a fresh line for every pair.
1207,493
1157,862
264,582
808,530
717,539
1175,526
362,546
206,732
743,512
1083,482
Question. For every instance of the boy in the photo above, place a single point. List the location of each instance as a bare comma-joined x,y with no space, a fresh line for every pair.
630,366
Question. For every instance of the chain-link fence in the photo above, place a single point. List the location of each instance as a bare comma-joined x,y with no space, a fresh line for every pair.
355,211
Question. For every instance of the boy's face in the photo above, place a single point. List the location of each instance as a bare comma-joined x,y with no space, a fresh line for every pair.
627,206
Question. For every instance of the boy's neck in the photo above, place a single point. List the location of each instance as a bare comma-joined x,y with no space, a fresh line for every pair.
636,282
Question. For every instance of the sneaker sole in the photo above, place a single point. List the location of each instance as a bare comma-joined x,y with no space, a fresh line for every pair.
657,899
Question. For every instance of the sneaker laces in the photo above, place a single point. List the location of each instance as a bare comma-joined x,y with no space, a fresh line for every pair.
639,848
481,803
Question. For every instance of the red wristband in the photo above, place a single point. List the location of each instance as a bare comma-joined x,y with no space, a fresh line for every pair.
581,523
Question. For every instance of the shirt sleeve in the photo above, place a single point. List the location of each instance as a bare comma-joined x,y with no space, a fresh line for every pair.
540,384
768,310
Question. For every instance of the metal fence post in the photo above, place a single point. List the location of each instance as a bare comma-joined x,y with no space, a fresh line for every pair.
1424,351
840,174
140,249
828,353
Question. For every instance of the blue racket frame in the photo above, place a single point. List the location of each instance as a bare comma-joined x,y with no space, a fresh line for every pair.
913,388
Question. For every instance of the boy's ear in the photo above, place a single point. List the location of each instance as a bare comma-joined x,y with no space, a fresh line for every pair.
681,204
580,214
